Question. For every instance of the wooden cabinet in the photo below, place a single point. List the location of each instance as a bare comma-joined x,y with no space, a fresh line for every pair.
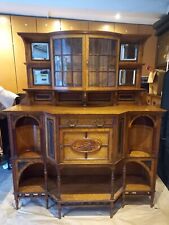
82,134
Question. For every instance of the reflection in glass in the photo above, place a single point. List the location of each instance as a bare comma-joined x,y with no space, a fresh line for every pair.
41,76
58,79
58,63
40,51
57,46
102,62
129,52
67,63
127,77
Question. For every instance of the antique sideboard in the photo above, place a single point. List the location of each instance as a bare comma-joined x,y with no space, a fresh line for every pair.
84,133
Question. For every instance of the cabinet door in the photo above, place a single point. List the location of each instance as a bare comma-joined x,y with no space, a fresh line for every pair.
102,62
67,61
50,131
86,145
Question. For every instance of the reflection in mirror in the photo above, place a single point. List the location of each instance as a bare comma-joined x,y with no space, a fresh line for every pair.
40,51
129,52
41,76
127,77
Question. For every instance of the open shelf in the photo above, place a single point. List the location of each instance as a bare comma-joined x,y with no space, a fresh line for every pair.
32,185
27,137
136,184
29,154
85,188
32,179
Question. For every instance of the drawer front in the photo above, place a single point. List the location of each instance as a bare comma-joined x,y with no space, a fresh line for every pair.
86,121
85,145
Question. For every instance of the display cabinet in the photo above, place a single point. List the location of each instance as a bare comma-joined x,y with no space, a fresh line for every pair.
84,134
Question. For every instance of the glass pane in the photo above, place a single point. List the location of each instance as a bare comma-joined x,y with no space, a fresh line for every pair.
127,77
57,47
66,46
76,46
111,79
40,51
67,63
77,79
111,63
100,46
103,82
77,63
128,52
58,79
50,140
58,64
103,63
93,79
67,79
93,63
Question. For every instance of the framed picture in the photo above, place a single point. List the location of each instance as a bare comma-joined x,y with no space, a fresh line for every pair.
40,51
128,52
41,76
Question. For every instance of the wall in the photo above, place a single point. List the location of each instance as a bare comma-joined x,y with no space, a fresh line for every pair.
12,56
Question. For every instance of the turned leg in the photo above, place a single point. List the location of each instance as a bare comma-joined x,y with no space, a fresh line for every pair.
47,201
111,209
59,210
152,199
16,201
123,199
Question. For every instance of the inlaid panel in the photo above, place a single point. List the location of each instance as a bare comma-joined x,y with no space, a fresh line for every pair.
85,145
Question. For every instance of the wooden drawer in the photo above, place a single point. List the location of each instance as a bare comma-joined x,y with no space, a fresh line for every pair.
86,121
85,145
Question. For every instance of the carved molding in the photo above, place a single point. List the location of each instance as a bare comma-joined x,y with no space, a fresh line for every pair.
86,145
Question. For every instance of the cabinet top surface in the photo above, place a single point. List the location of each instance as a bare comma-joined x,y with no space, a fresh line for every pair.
80,110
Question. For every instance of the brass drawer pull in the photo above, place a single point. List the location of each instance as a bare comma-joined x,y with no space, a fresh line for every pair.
99,123
72,123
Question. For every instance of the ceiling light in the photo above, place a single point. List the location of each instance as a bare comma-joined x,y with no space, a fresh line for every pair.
117,16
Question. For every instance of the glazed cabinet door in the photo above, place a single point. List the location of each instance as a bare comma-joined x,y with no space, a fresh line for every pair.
67,52
51,137
102,53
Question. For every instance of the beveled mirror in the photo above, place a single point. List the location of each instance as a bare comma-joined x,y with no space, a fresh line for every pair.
128,52
127,77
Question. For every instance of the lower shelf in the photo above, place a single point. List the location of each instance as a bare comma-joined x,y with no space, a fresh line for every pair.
32,185
85,188
136,184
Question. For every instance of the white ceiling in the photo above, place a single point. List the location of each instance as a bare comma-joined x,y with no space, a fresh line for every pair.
131,11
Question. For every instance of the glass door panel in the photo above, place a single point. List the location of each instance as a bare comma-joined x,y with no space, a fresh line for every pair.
68,62
102,62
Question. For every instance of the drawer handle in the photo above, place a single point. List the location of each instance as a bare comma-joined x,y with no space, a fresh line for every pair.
72,123
99,123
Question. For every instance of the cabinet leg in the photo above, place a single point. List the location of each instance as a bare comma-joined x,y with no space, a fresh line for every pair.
47,201
59,210
152,199
123,200
16,202
111,209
